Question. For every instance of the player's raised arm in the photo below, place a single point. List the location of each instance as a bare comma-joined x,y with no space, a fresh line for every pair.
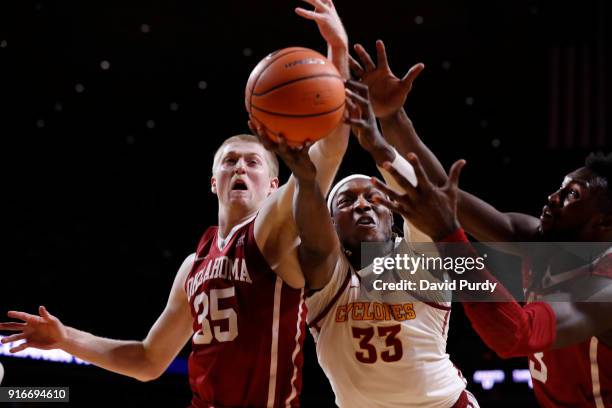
318,250
388,94
327,153
275,230
144,360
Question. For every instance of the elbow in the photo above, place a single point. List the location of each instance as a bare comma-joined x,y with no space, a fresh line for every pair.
148,375
150,371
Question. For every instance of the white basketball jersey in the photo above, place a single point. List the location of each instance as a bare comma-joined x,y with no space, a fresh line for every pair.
387,353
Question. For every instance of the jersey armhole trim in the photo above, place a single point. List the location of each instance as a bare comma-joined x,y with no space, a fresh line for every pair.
432,304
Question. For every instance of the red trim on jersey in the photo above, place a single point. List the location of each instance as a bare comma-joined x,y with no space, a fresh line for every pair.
462,401
324,312
438,306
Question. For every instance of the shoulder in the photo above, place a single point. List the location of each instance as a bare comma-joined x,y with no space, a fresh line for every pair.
184,269
208,236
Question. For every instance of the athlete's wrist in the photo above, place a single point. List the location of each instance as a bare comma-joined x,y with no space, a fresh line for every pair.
393,117
457,235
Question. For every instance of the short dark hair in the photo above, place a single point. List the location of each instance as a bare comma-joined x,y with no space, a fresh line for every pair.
601,165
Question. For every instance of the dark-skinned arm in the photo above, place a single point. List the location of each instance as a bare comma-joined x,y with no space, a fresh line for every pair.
319,244
510,329
388,94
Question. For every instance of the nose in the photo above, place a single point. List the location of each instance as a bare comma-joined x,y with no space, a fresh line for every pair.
362,205
554,200
240,167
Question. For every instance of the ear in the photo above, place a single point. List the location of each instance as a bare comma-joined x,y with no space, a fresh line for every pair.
213,185
274,183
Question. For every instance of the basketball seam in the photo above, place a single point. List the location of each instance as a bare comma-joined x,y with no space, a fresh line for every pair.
306,115
293,81
264,70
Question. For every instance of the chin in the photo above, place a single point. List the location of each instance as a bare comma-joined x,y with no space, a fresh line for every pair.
240,202
370,236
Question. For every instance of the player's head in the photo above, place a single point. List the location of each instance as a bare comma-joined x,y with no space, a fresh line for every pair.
357,217
244,173
581,209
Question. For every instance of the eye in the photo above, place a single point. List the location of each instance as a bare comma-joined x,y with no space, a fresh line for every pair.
343,201
254,162
229,160
573,193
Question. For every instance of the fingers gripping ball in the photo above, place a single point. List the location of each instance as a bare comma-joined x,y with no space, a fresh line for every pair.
297,92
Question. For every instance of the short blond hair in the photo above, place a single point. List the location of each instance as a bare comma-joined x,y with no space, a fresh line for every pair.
269,156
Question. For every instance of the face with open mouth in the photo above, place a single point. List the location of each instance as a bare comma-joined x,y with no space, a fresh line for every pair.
358,217
242,177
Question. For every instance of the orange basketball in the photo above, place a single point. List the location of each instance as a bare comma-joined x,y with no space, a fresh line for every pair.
297,92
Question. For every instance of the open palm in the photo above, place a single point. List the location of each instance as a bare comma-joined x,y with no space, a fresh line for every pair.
388,93
44,332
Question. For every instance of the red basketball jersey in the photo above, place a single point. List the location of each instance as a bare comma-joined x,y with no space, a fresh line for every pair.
248,326
579,375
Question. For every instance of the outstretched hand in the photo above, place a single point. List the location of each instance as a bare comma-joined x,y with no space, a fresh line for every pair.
44,332
295,157
429,208
388,93
328,21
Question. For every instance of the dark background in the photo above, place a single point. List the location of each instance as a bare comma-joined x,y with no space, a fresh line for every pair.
106,171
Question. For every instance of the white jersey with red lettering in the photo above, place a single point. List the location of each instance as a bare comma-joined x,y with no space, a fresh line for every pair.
387,353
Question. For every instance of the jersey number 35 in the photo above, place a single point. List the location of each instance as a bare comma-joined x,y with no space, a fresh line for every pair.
205,334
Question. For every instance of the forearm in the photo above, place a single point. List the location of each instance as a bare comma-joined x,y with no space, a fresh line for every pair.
399,131
309,205
506,327
338,55
331,149
327,155
120,356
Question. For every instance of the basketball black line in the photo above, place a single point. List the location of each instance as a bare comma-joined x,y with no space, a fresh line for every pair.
296,80
264,70
267,130
289,115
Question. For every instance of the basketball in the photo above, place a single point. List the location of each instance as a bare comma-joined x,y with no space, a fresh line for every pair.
296,92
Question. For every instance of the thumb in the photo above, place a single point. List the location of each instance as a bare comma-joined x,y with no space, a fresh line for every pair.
44,312
412,74
453,177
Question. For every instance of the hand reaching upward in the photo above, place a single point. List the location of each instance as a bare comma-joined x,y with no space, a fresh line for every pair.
388,93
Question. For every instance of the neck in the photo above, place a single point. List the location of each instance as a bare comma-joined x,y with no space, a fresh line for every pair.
230,217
